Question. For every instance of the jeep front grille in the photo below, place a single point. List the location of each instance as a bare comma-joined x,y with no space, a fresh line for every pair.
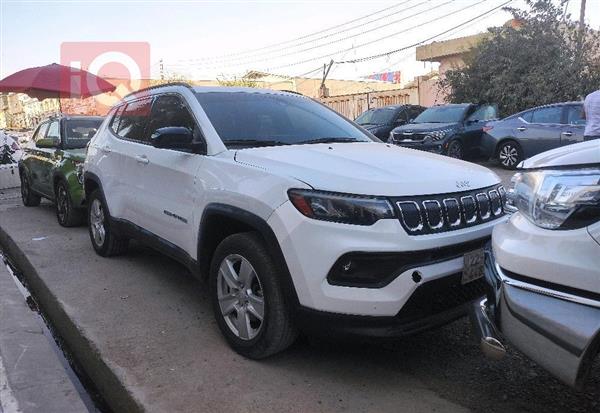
447,212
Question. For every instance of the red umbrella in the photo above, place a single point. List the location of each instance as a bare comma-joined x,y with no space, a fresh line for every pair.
55,81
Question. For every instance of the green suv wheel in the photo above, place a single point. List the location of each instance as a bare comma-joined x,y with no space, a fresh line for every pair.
29,198
66,213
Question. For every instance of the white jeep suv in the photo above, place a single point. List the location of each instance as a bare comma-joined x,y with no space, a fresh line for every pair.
300,219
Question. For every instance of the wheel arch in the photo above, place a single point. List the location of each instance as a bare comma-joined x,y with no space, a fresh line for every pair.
220,220
503,141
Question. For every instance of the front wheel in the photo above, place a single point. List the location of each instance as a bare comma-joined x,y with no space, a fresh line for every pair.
66,213
455,150
104,240
510,154
29,198
248,301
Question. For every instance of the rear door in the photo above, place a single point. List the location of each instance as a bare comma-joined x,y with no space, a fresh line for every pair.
48,158
574,124
166,198
473,131
542,131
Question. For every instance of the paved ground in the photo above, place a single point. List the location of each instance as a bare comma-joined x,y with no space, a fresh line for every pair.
32,379
140,321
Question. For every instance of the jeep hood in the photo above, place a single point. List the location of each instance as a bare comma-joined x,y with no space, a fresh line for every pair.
579,154
369,168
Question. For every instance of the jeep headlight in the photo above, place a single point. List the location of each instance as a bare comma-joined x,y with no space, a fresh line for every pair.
438,135
557,199
344,208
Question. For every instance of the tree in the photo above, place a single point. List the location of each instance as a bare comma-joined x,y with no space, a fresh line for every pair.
546,58
239,82
6,154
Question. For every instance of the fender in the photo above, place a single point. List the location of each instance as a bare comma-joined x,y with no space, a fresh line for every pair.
253,222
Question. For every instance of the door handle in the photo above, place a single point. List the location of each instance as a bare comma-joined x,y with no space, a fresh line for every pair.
521,128
105,149
142,159
567,133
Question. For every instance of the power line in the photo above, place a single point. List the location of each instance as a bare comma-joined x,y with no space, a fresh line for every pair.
319,46
377,56
377,40
314,33
215,60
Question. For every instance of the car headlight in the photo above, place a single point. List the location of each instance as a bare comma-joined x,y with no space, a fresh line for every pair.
344,208
557,199
438,135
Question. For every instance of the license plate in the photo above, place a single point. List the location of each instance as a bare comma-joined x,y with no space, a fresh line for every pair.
473,266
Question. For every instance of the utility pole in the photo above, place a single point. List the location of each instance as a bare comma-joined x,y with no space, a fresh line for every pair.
582,16
323,92
162,70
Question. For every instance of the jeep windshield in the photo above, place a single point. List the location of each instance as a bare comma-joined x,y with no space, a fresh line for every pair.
78,132
442,114
381,116
247,119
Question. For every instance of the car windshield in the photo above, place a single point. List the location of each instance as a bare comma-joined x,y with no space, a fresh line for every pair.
381,116
78,132
244,119
441,114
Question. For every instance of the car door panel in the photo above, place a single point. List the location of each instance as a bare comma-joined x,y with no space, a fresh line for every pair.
542,133
574,125
166,197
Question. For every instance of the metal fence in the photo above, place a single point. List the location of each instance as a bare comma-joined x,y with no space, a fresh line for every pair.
353,105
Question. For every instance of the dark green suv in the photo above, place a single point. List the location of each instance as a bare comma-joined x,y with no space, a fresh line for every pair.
51,165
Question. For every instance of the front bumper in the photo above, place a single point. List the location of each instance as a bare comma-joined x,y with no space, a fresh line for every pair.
557,328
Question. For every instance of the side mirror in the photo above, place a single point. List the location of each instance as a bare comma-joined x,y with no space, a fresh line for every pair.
47,143
400,122
177,138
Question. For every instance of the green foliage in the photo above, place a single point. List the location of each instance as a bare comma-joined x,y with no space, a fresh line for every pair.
239,82
6,155
547,59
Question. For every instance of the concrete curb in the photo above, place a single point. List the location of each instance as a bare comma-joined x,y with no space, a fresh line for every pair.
83,350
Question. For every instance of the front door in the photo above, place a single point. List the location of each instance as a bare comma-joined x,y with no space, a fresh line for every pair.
169,191
574,125
542,132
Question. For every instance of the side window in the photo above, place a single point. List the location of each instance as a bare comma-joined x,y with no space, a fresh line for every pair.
575,115
527,116
41,132
54,131
483,113
36,134
170,110
403,116
114,122
416,112
550,114
133,121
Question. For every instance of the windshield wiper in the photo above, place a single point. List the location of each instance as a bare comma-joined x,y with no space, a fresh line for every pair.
253,142
328,140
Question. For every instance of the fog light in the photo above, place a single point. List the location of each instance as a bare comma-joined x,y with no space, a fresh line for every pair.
365,269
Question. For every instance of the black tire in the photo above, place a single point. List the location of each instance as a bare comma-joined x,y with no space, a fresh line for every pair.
27,196
110,243
276,331
509,154
66,214
455,150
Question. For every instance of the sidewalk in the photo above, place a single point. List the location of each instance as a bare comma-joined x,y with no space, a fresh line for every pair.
32,378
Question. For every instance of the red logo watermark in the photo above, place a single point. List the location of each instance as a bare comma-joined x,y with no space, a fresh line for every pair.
124,64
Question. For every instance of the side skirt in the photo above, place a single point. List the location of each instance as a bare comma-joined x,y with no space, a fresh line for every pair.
131,230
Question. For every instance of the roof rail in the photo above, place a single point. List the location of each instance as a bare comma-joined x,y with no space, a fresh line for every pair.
158,86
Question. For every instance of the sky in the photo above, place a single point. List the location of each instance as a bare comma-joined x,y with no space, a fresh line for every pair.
207,39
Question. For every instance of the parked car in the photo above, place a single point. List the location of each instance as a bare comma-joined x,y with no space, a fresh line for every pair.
51,165
543,264
453,129
533,131
299,220
380,121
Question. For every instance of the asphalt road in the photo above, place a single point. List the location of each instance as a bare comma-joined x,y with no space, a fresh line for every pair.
143,323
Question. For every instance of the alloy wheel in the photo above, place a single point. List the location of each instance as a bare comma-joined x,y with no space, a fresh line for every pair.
455,151
24,188
508,155
240,297
62,203
97,222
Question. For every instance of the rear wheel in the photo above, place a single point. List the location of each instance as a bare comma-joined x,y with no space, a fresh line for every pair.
104,240
509,154
66,213
248,301
29,198
455,150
